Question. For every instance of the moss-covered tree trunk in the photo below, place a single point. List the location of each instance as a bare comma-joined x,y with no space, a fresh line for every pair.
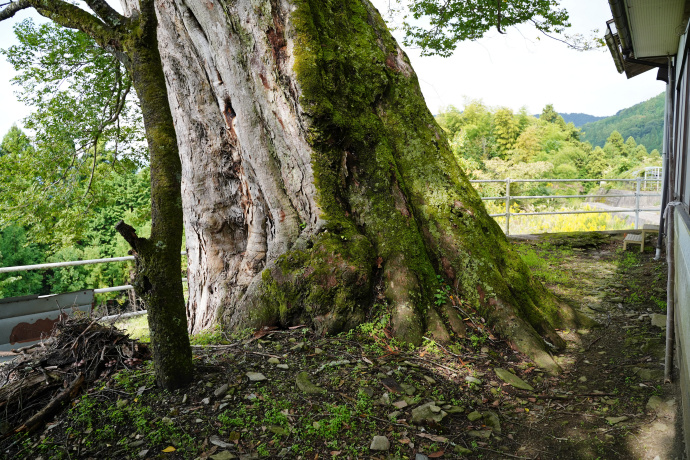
158,261
316,182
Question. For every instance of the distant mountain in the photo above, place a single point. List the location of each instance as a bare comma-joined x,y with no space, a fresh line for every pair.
579,119
643,121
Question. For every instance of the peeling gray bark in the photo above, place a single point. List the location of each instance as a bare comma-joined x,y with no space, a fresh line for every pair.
247,182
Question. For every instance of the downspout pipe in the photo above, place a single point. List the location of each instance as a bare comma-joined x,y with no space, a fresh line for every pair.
668,124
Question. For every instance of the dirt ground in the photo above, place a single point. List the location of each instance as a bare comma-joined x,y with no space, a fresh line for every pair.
290,394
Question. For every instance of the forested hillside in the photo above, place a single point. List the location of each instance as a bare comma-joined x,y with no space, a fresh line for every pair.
643,121
579,119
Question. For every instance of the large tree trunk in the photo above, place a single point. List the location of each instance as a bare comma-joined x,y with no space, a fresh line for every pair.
316,182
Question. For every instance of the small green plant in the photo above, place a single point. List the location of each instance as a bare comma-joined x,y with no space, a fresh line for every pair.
214,336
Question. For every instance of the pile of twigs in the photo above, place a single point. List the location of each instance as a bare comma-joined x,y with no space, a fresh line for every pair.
45,376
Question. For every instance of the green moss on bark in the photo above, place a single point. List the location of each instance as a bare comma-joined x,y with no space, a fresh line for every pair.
385,174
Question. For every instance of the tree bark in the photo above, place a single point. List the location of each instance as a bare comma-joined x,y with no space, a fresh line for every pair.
157,280
316,182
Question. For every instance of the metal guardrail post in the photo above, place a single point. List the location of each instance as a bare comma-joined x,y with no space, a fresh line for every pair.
637,203
507,206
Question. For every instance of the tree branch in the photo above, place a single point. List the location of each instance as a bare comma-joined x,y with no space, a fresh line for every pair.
106,12
13,8
73,17
129,234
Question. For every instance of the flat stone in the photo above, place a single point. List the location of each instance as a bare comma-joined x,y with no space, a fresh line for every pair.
615,420
216,441
206,401
223,455
474,416
394,414
380,443
409,389
654,403
400,404
273,361
429,379
279,430
485,434
426,413
421,457
648,374
282,366
462,451
143,453
455,410
221,390
305,385
658,320
512,379
491,420
470,379
256,376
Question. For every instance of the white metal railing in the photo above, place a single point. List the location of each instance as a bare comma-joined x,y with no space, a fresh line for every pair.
72,263
508,197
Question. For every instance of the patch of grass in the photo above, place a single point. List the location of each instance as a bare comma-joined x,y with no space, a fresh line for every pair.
136,326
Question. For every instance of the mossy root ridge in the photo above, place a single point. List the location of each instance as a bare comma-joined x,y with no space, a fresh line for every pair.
400,214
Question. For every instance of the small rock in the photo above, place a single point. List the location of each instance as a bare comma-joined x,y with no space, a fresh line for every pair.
273,361
279,430
223,406
255,376
470,379
480,434
421,457
429,379
582,379
380,443
394,414
282,366
491,420
426,413
185,398
409,389
167,421
615,420
121,403
223,455
462,450
648,374
658,320
385,399
216,441
474,416
137,443
206,401
318,351
220,391
368,391
305,385
143,453
298,347
512,379
455,410
400,404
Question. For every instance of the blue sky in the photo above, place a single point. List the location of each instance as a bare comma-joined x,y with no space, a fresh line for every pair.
521,68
